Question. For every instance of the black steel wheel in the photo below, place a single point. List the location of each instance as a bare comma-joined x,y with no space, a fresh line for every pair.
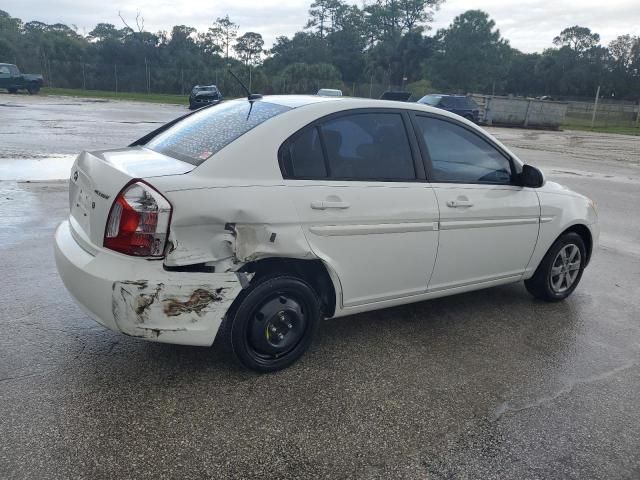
271,323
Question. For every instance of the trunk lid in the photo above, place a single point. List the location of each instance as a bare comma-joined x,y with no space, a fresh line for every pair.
98,177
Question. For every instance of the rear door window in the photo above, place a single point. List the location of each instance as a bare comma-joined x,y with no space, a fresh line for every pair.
368,146
460,156
206,132
360,146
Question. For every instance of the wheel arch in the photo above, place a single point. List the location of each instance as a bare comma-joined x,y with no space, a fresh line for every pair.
315,272
584,232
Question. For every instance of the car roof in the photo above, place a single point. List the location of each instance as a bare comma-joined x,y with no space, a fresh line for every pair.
348,103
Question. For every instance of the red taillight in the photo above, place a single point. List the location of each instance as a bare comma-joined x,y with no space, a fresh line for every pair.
138,222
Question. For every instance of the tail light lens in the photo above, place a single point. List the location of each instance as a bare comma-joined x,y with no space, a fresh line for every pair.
138,222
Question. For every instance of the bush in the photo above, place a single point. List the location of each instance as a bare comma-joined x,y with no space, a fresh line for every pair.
419,89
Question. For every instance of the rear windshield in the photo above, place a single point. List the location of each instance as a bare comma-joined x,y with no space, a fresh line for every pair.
199,136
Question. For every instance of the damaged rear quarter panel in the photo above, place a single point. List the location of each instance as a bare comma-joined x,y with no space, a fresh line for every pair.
190,303
228,227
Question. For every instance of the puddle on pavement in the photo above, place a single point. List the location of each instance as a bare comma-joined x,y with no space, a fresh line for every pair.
15,169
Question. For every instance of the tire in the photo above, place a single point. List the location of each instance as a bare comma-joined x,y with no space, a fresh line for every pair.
272,323
33,88
555,279
13,90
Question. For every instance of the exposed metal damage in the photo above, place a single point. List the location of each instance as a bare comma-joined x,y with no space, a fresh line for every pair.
197,302
148,309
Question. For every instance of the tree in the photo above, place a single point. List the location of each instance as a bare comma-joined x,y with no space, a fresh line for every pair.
309,78
304,47
104,32
579,39
249,47
625,51
471,54
390,19
223,32
323,15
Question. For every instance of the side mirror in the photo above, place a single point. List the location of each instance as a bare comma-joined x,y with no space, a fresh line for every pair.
531,177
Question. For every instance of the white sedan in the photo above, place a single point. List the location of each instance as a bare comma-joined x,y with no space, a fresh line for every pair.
252,220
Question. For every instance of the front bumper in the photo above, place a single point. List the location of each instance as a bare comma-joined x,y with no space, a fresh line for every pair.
139,298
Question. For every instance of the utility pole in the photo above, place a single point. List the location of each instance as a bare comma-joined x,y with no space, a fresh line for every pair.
595,108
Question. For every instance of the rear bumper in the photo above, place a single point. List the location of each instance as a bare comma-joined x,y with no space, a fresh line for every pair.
139,298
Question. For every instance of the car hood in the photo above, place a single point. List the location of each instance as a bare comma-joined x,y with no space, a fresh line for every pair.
558,188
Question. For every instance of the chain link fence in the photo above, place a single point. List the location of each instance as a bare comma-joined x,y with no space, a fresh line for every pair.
151,78
160,79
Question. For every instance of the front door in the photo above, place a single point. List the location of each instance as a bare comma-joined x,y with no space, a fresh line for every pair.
488,224
355,180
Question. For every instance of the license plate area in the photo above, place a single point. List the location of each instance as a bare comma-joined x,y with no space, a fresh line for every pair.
82,202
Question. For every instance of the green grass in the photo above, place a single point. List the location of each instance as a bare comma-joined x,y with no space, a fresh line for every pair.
138,97
622,130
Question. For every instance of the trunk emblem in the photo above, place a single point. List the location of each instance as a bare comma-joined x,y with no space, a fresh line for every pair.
103,195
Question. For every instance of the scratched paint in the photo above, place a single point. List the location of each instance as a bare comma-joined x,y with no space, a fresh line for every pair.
149,309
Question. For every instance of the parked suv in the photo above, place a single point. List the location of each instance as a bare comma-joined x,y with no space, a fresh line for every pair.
252,221
458,104
203,95
12,80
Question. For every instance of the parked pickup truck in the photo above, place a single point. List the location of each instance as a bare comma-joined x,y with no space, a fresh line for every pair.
11,79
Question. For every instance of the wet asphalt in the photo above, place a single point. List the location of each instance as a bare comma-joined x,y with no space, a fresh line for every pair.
490,384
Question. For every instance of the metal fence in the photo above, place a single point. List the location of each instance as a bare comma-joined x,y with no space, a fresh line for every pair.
147,77
608,113
151,78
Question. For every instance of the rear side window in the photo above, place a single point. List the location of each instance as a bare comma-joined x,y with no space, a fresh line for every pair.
361,146
460,156
304,157
201,135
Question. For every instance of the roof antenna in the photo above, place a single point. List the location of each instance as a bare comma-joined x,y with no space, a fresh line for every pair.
250,96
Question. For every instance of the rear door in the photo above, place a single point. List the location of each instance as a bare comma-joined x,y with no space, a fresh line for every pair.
488,223
359,187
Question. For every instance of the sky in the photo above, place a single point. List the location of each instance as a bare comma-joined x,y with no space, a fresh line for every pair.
529,25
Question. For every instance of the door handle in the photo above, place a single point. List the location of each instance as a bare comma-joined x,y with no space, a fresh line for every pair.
325,204
459,203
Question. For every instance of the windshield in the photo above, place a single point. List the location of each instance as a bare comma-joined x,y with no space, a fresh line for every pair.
201,135
430,100
203,89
